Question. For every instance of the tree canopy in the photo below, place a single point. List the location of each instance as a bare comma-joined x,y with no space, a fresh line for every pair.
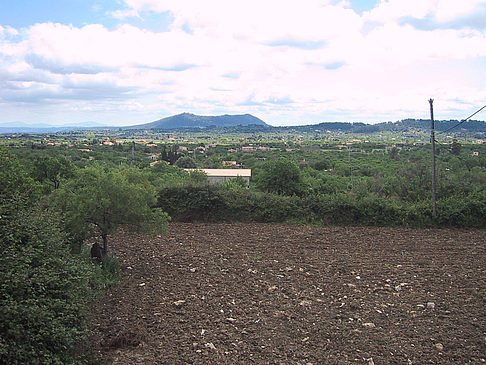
281,176
97,202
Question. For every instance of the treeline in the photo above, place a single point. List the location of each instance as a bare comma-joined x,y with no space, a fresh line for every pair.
406,125
283,191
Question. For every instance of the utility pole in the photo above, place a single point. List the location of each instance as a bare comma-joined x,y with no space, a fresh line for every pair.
432,140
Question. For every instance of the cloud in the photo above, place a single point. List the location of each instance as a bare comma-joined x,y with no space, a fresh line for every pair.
297,43
329,65
59,67
474,20
232,75
279,101
125,13
440,11
314,57
177,68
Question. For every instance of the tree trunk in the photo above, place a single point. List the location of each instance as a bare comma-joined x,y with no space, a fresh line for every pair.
105,244
96,251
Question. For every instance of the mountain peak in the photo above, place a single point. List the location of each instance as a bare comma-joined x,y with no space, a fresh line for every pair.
189,120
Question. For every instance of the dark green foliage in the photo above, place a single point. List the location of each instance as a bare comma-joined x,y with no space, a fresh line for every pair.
281,176
52,170
44,289
43,292
455,147
186,162
98,201
212,203
14,181
192,203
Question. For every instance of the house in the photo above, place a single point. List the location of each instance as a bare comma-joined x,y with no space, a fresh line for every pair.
216,176
229,163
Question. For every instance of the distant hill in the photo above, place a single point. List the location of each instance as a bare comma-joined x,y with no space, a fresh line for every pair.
406,125
188,120
35,128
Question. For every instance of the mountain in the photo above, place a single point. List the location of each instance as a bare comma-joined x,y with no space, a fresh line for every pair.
21,127
188,120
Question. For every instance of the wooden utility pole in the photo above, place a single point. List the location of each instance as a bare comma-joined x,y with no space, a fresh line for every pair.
432,140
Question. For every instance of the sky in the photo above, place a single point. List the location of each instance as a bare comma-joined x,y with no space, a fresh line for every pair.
125,62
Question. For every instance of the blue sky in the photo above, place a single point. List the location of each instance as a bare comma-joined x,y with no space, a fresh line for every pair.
133,61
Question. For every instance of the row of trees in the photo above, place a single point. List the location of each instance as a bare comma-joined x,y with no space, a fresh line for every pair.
47,281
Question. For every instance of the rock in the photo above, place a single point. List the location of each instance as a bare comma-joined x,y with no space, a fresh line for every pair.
179,303
210,345
369,325
272,289
370,361
232,320
439,346
430,305
192,269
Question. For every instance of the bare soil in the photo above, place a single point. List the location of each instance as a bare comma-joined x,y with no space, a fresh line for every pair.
278,294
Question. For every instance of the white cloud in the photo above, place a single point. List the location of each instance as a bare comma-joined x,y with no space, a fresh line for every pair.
442,10
270,58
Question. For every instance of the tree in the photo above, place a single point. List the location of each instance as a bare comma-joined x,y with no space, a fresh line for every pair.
97,202
455,147
44,289
394,153
14,180
281,176
52,169
186,162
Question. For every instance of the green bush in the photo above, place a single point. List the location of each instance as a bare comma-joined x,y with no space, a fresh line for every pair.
192,203
44,291
458,211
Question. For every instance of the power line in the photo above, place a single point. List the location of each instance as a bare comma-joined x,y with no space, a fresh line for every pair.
464,120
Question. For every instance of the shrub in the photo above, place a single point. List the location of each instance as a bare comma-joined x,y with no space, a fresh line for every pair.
43,291
190,203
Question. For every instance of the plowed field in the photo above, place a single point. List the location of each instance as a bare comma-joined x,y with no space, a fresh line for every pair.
277,294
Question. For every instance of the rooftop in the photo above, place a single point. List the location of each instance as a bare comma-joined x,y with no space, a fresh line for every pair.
224,172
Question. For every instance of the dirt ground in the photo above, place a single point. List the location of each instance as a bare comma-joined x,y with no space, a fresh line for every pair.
277,294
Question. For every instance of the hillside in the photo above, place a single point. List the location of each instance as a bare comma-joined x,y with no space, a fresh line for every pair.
188,120
406,125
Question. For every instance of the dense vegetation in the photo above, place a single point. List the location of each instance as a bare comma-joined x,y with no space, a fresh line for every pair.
57,191
47,281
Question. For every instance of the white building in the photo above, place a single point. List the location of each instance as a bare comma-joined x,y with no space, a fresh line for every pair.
216,176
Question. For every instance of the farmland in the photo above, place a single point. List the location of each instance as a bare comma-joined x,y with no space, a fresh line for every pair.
284,294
